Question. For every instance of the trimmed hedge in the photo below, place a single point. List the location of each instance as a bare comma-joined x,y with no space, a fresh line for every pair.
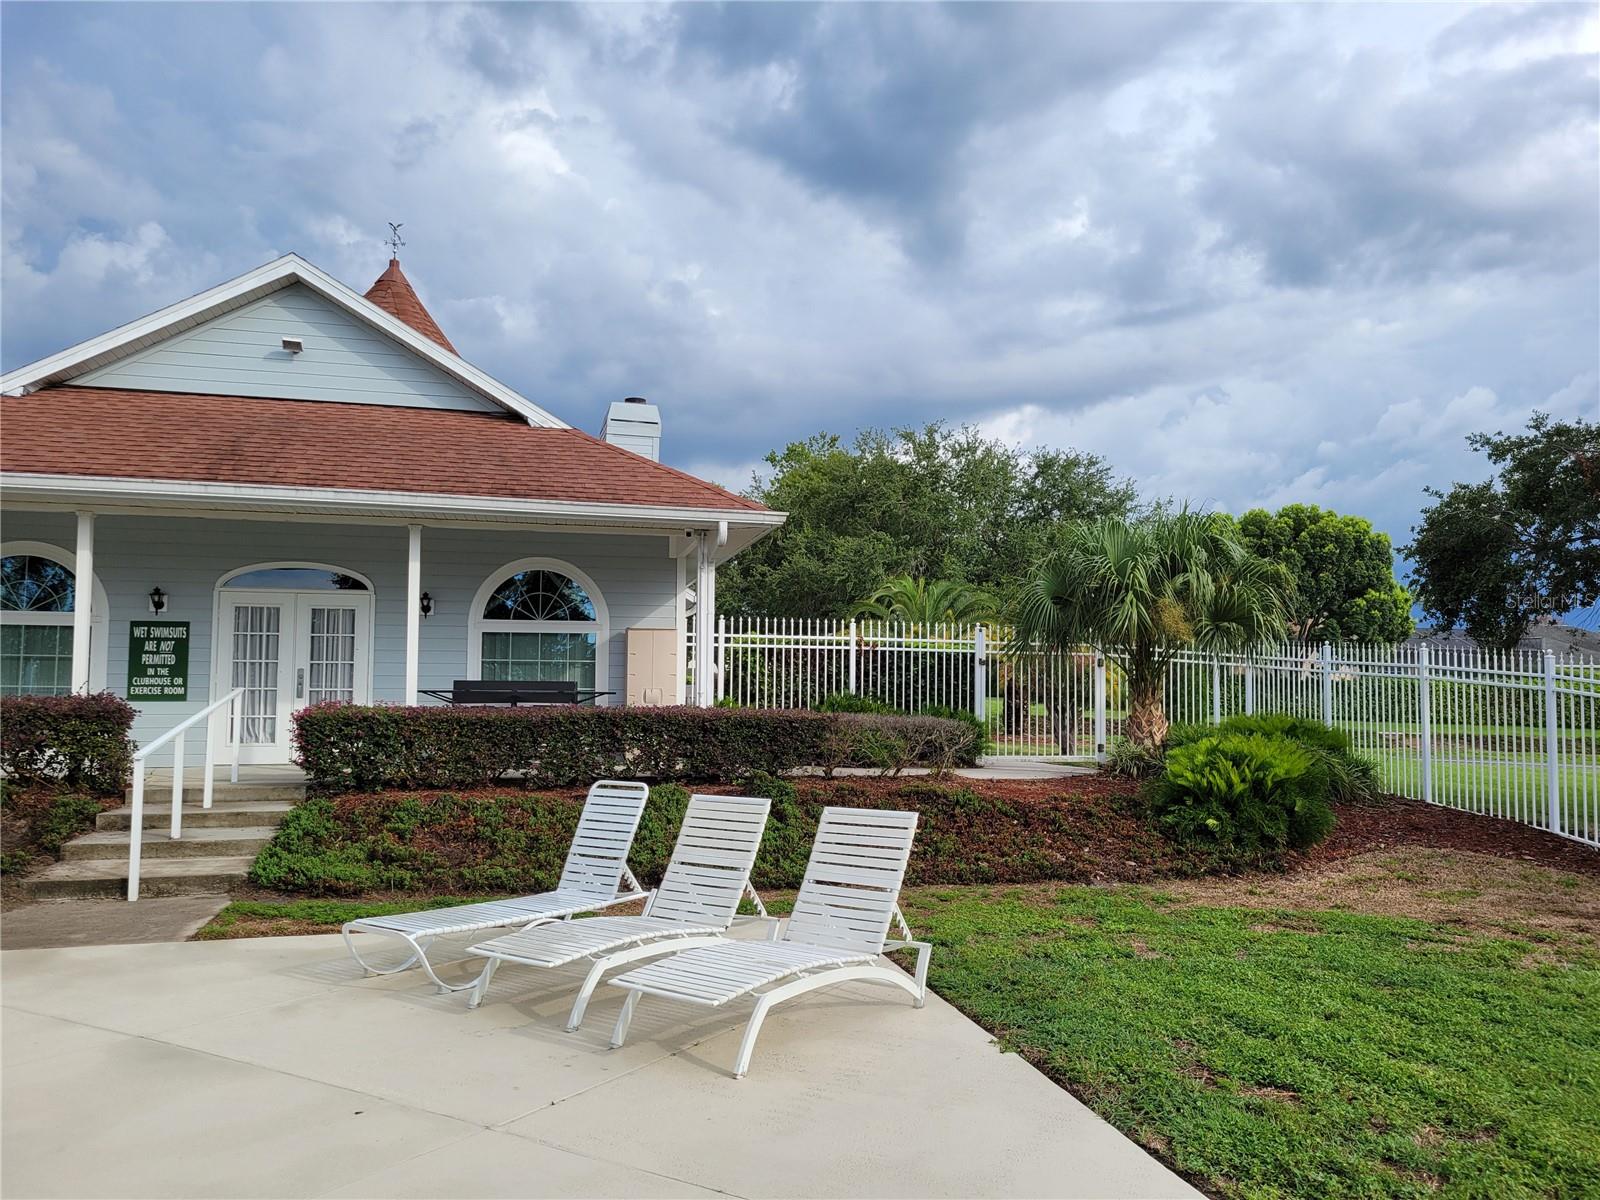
514,842
67,743
348,747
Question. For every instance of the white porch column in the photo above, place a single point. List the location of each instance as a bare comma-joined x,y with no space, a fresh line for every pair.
413,608
705,621
83,601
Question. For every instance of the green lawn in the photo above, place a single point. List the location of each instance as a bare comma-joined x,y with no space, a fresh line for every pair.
1277,1054
255,918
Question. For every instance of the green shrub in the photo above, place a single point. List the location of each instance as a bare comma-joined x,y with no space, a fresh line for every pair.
948,712
849,702
1130,760
1246,796
1342,774
889,743
67,743
348,747
39,822
64,820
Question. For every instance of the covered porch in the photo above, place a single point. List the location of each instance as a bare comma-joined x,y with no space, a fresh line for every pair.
332,596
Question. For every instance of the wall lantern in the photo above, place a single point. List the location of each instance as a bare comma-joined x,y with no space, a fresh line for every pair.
158,601
427,604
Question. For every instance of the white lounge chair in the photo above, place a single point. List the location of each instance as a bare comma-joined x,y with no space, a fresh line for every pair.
694,905
839,927
597,864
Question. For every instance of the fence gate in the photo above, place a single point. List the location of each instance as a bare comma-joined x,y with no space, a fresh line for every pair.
1043,704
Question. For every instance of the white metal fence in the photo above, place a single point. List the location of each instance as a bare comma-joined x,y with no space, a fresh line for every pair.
1510,734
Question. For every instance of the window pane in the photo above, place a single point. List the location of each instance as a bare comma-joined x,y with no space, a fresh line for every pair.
35,660
297,579
539,596
551,657
29,583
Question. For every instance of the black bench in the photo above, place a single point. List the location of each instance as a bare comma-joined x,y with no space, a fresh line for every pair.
515,692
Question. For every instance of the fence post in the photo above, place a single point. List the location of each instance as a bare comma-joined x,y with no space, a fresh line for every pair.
1216,690
1424,719
1249,686
718,670
980,676
852,656
1100,705
1552,741
1327,683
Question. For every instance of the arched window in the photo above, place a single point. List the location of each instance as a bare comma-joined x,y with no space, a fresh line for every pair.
38,593
296,579
539,619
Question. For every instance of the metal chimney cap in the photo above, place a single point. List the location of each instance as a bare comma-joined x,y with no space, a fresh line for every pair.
634,400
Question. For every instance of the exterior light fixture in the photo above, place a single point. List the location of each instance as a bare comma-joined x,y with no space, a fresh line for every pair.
426,602
158,601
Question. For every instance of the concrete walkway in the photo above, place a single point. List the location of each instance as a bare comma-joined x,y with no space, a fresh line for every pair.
269,1067
987,768
105,922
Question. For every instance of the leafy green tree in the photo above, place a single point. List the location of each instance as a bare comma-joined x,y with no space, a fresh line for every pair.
1493,556
1152,587
1343,572
926,602
935,503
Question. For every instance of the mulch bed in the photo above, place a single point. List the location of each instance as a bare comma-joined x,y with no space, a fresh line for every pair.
1360,828
1403,822
1087,829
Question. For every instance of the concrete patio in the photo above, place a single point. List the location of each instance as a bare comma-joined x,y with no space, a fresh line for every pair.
270,1067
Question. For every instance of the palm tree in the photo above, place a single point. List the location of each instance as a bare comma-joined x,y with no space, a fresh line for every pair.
921,601
1149,588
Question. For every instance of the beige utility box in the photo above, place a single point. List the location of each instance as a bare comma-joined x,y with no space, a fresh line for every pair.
652,666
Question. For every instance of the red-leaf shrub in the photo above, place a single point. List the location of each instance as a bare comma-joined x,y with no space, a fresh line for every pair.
348,747
73,743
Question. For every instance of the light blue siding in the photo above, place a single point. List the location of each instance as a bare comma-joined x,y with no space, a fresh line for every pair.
188,557
241,354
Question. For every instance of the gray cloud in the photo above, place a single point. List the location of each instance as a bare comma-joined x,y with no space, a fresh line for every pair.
1250,254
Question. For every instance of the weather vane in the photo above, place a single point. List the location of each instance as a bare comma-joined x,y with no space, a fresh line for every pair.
394,241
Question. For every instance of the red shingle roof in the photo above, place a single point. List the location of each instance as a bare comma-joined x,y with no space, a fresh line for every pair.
312,443
393,293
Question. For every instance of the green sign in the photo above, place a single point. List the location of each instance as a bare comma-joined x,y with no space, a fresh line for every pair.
158,660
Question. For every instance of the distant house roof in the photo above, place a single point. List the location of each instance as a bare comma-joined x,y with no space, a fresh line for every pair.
1541,635
123,434
393,293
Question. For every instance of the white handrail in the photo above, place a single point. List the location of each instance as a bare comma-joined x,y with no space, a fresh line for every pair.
175,736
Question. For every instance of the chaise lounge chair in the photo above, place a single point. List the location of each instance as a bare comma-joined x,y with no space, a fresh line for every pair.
694,906
839,928
596,865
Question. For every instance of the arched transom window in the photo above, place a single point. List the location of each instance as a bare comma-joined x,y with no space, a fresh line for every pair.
539,623
37,595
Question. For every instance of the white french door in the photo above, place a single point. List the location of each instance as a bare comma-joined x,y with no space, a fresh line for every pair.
288,650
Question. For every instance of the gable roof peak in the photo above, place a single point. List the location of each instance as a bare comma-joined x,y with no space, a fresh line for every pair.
393,293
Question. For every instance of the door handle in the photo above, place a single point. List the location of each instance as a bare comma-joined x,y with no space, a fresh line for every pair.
300,684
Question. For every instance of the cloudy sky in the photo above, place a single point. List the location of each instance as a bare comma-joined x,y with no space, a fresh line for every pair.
1251,255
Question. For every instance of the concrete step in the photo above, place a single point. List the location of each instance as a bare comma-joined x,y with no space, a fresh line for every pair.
193,793
108,878
223,814
157,844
